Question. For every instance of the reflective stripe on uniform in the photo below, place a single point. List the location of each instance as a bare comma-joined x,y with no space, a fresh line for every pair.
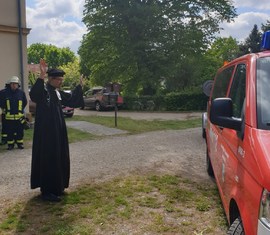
17,116
20,106
8,105
13,116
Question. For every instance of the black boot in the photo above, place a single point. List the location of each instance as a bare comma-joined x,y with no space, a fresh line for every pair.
20,146
10,147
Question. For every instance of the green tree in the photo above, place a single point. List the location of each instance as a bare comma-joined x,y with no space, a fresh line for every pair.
223,49
31,78
53,55
143,43
220,51
265,27
35,52
72,76
252,43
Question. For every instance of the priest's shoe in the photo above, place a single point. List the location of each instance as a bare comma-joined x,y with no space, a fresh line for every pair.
50,197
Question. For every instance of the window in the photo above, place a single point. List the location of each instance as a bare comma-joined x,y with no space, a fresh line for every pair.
222,83
263,90
238,90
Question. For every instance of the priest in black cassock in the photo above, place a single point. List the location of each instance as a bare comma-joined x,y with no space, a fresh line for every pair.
50,170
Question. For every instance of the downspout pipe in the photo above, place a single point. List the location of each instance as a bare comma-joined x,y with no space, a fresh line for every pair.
20,44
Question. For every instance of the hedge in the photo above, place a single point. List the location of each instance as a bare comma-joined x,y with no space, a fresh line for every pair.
177,101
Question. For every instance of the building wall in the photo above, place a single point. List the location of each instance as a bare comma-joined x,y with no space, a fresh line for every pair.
9,13
11,61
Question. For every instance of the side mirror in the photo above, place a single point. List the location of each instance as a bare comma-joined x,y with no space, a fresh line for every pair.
221,114
207,87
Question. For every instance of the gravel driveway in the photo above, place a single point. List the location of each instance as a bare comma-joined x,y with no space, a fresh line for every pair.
179,152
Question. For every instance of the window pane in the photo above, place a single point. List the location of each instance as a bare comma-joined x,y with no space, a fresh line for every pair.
238,90
222,83
263,91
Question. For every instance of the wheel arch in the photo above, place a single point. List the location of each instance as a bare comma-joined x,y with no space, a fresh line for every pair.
98,103
234,211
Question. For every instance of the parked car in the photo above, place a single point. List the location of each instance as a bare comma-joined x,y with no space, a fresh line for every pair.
99,98
67,111
238,140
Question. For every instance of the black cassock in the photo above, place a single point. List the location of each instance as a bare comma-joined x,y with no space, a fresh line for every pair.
50,168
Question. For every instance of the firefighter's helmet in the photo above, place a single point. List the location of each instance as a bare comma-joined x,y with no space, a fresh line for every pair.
14,79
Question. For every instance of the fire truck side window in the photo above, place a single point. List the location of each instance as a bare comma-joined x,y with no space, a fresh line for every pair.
238,90
222,83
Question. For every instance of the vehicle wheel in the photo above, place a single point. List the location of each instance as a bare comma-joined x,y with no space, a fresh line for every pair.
209,165
203,133
98,106
203,127
236,228
69,115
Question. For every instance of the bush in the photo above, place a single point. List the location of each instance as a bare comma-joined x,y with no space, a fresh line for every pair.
186,101
193,100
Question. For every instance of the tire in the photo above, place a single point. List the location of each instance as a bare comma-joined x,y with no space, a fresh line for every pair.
209,167
203,126
69,115
203,133
98,106
236,228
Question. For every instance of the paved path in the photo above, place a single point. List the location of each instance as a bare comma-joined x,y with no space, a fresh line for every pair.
94,128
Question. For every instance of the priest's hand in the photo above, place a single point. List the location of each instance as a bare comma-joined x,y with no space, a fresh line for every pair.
43,68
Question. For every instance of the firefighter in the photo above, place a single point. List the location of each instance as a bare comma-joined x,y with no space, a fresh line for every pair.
3,131
3,118
13,101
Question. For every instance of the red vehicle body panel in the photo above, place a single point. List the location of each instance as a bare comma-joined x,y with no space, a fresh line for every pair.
241,166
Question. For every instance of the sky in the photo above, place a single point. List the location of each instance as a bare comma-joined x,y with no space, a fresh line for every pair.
59,22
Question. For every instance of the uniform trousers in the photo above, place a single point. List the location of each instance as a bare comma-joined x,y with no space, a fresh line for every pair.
15,132
3,131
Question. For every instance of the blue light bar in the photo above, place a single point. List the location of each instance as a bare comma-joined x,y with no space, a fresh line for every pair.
265,44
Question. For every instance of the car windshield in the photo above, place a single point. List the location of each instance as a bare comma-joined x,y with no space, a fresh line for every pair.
263,89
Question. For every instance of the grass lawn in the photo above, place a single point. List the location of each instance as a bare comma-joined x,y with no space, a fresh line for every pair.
134,204
139,126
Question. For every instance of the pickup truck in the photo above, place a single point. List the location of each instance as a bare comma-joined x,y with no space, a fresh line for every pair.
99,98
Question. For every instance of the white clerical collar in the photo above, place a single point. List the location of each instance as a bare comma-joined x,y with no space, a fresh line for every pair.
58,94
